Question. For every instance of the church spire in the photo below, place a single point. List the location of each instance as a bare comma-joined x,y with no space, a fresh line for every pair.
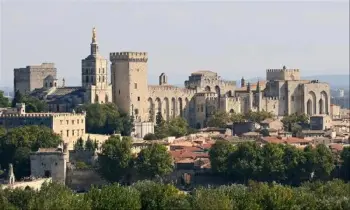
94,46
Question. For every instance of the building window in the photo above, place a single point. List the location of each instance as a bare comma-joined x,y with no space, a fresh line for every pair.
72,122
78,132
61,122
72,132
135,85
292,98
77,121
67,133
67,122
119,92
138,98
82,121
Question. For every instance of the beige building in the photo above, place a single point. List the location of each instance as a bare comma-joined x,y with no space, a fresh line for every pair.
205,92
70,126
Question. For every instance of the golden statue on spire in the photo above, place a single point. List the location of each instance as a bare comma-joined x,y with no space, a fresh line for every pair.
93,34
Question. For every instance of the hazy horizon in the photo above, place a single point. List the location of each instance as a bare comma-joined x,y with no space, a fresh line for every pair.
234,39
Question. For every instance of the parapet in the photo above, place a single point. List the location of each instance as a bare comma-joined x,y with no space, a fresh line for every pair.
282,70
128,56
41,115
270,98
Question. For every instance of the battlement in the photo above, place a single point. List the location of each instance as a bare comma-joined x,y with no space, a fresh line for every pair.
161,88
282,70
233,99
128,56
42,115
283,74
206,94
270,98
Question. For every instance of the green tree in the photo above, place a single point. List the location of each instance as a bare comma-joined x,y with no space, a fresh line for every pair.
272,164
17,99
208,199
324,162
79,145
219,119
114,197
258,116
53,196
178,127
89,145
290,120
160,196
265,132
17,144
150,136
345,163
159,118
106,119
153,161
115,158
219,156
4,102
237,117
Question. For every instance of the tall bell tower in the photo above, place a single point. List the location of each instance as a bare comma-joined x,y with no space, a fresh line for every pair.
94,75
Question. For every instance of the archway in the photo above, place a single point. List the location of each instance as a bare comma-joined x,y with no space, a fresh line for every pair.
166,108
207,89
312,97
217,90
309,107
325,105
173,108
180,107
321,106
151,113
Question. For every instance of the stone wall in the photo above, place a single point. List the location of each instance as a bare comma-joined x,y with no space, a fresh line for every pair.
35,184
83,179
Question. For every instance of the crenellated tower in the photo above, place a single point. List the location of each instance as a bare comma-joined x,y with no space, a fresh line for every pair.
130,84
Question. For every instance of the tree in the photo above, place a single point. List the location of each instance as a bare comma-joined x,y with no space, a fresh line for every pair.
17,144
4,102
175,127
114,197
324,162
290,120
272,164
53,196
258,116
150,136
160,196
237,118
89,145
208,199
79,145
106,119
159,118
154,161
265,132
219,155
219,119
345,163
115,158
17,99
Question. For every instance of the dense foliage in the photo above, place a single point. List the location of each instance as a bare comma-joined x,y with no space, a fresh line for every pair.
291,122
220,119
32,104
115,160
4,102
273,162
106,119
88,145
148,195
154,161
174,127
17,144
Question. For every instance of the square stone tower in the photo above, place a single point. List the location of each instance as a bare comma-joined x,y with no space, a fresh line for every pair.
129,83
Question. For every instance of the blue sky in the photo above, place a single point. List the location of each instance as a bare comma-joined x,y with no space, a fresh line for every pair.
234,39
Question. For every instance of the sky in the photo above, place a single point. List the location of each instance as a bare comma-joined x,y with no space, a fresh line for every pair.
233,38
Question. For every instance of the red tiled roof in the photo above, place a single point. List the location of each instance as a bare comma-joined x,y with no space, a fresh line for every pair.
337,147
289,140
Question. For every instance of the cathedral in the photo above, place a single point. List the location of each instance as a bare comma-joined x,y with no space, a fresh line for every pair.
204,93
95,87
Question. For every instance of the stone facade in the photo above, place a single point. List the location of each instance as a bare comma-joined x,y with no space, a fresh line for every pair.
50,162
70,126
31,77
205,93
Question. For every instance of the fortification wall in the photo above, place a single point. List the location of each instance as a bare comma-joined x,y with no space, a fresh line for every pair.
270,104
83,179
128,56
35,184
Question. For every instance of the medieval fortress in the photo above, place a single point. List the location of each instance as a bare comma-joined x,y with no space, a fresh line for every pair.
283,92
